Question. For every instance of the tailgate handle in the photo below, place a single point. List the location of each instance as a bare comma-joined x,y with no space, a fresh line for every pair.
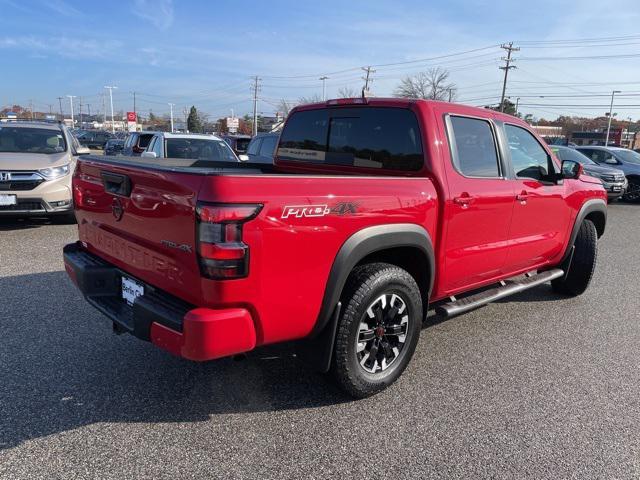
116,183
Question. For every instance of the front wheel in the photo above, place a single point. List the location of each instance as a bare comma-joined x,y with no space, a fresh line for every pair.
379,329
583,263
633,191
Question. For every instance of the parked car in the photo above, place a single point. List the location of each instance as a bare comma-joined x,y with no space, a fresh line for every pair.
94,139
189,146
36,163
621,158
113,146
238,143
344,244
262,148
136,143
613,180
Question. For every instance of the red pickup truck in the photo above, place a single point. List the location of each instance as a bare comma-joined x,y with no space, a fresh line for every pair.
373,209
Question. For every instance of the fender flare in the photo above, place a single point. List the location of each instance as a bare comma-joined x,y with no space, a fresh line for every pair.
590,206
317,348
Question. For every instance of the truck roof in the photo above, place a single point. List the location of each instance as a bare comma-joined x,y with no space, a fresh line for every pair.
407,102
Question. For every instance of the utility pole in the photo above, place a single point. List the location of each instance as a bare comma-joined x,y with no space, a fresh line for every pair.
507,66
134,104
89,110
613,93
171,107
255,87
61,114
110,88
367,79
517,103
324,79
80,112
450,94
71,97
31,108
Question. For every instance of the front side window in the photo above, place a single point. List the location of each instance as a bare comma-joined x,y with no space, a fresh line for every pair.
31,140
371,137
473,147
528,157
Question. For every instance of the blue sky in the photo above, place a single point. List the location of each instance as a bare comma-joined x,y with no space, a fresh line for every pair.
204,52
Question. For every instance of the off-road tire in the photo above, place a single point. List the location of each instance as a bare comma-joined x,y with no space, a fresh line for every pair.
366,284
583,262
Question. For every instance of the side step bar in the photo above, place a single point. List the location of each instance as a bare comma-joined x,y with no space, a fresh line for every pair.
508,287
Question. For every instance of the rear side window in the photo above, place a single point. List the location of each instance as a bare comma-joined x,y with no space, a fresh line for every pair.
254,146
144,140
473,147
384,138
268,146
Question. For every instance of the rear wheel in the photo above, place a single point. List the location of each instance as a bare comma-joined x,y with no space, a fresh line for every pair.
582,264
379,329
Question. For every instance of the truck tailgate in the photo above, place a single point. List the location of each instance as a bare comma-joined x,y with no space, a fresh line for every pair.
141,220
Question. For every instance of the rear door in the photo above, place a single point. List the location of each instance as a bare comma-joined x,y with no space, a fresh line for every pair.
541,213
479,206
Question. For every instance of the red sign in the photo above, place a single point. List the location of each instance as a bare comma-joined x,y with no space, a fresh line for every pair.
131,116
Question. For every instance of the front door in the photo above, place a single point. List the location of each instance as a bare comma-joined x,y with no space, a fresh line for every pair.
541,213
479,205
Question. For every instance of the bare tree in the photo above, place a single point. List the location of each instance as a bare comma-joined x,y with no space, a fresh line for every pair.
347,92
285,107
433,84
315,98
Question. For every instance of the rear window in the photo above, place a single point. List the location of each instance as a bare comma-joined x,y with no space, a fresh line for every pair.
200,149
473,147
371,137
268,146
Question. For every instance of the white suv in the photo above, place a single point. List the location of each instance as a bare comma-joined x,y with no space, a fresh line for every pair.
189,146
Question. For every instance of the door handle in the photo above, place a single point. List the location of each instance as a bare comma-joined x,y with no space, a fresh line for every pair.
522,197
463,200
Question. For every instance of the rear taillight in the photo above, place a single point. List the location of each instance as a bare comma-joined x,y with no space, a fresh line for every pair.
221,251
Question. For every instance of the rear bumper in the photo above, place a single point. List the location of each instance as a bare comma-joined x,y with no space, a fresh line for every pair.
193,333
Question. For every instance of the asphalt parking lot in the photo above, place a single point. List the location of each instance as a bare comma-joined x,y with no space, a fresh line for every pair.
536,386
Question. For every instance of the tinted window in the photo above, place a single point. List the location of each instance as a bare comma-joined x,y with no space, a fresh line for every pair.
386,138
199,149
31,140
571,154
254,146
528,157
268,146
473,147
241,144
144,140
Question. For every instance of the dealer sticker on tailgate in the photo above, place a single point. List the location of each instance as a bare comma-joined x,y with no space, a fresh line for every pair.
131,290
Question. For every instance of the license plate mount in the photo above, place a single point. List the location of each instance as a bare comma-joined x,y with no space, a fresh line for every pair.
131,289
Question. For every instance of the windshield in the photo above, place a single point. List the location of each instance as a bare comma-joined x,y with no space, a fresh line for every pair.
31,140
200,149
628,156
571,154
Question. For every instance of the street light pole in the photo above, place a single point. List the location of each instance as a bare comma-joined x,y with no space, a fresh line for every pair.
613,93
517,103
324,79
113,127
171,107
71,97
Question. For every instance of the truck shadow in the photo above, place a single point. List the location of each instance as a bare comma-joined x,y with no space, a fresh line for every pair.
16,223
61,368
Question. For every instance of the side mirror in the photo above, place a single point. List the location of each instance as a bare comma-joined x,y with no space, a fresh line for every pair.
571,169
243,158
148,155
82,150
